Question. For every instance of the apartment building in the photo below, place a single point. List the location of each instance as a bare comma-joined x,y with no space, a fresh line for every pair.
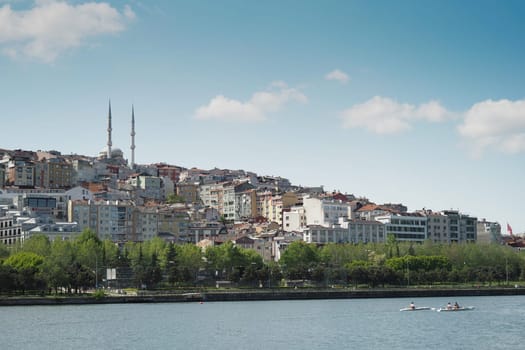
325,212
353,231
2,175
113,220
149,187
488,232
294,219
56,173
10,231
462,227
189,191
405,227
21,173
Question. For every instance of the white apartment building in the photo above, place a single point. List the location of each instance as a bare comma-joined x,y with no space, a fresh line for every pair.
363,231
323,234
353,231
294,219
405,227
211,196
245,205
325,212
111,220
10,231
148,186
62,231
228,202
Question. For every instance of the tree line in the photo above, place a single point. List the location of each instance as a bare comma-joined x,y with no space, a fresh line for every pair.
78,265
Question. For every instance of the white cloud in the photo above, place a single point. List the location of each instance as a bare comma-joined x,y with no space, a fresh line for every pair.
338,75
255,109
52,27
383,115
495,124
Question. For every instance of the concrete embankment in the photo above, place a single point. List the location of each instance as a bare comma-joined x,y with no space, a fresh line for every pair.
251,295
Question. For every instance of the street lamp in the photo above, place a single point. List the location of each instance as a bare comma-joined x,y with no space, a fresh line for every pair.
408,273
96,272
270,277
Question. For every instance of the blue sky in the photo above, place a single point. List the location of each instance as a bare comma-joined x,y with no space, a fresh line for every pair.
418,102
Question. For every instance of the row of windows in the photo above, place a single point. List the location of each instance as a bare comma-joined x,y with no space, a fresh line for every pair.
6,224
8,233
406,229
9,241
409,222
408,236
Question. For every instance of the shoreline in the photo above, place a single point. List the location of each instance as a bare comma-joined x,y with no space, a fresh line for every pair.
259,295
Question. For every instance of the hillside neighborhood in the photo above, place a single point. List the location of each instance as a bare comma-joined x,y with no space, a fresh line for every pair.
59,196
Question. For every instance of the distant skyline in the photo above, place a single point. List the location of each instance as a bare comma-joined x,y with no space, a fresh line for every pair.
413,102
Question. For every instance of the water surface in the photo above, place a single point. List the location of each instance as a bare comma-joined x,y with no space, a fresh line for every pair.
496,323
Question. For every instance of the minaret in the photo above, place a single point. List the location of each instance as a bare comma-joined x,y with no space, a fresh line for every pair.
132,165
109,131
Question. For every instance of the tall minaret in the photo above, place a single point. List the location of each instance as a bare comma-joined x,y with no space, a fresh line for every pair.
109,131
132,165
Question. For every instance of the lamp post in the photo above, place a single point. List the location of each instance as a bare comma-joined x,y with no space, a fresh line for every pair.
269,276
96,272
408,274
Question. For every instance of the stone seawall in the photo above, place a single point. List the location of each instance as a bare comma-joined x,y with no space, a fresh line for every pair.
251,295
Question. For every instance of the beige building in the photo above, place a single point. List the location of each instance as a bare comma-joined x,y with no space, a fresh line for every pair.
174,222
57,173
188,191
21,173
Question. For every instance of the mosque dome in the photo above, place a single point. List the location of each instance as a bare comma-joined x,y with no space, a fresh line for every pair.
115,153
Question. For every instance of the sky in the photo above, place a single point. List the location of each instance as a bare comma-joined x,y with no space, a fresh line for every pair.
413,102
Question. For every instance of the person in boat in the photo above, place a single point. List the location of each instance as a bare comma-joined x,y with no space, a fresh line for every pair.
412,306
449,306
456,305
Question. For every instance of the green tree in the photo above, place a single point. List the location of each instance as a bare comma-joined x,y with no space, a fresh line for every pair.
57,265
189,261
170,267
38,244
298,260
28,267
7,278
89,258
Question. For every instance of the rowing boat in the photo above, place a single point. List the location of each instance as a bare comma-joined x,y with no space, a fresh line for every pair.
463,308
421,308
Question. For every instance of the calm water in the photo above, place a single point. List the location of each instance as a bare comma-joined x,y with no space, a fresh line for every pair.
496,323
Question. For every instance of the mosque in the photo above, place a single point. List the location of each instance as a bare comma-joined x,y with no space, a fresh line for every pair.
115,156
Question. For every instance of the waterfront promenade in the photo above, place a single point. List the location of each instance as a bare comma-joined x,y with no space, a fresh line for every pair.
252,295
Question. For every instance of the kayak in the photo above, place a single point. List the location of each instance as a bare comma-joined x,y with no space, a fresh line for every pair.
421,308
465,308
